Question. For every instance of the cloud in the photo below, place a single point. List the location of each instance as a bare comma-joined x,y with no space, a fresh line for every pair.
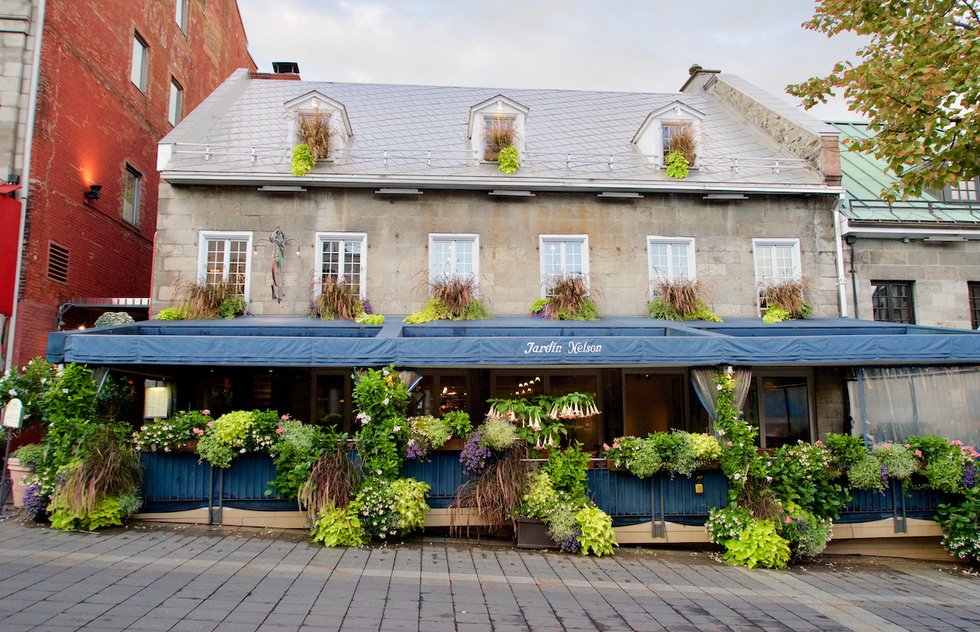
618,45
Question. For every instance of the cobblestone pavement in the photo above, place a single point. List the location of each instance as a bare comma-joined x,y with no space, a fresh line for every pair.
198,578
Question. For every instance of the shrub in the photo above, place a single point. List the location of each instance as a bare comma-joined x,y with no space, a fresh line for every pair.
806,533
727,523
497,492
897,460
867,473
776,314
295,451
28,384
376,508
303,160
30,455
789,295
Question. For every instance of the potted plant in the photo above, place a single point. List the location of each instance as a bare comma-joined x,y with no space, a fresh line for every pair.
680,299
450,297
785,300
498,136
570,297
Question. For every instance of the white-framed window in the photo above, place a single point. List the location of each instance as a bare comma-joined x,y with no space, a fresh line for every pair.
563,255
176,109
671,258
181,15
342,255
140,66
131,196
776,261
453,255
653,138
223,257
495,112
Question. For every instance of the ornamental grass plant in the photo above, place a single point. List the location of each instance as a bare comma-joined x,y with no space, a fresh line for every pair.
336,298
211,300
789,295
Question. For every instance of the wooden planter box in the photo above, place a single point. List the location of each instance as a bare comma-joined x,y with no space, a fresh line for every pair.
532,533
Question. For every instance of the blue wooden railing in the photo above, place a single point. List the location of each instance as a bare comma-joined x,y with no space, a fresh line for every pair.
176,481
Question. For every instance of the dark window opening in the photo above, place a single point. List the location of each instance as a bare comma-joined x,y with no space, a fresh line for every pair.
974,289
892,302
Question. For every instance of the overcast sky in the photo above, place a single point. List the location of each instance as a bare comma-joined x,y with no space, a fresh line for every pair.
623,45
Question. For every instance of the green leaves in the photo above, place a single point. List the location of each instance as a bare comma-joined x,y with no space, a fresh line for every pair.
303,160
759,545
508,160
676,166
597,534
916,82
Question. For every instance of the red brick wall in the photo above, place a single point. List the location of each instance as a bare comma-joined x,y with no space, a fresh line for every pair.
91,122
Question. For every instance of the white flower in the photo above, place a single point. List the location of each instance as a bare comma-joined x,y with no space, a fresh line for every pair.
396,428
379,472
721,433
12,393
719,387
65,391
385,402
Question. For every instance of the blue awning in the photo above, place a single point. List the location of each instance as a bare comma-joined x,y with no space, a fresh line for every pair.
513,341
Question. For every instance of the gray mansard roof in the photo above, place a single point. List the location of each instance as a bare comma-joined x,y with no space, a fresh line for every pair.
416,136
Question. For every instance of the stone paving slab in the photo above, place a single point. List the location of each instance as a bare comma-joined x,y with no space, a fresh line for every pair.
209,579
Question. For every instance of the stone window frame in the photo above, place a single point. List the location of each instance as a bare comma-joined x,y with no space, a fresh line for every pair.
206,236
688,243
454,239
545,240
342,238
758,246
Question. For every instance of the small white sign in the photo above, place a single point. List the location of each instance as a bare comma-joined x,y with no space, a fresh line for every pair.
13,414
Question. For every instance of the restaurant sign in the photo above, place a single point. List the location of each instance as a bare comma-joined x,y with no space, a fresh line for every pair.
570,347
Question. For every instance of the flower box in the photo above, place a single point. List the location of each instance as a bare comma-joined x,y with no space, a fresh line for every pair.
532,533
453,444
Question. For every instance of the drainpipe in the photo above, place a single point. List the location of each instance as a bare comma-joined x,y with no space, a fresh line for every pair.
850,242
26,179
841,281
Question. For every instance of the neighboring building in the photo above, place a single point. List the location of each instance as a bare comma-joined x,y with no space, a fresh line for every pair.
910,261
115,77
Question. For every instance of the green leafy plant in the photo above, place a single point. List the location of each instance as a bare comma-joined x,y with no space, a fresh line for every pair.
568,470
382,399
623,450
867,473
459,423
104,513
425,433
172,313
897,460
376,504
410,503
596,532
806,533
509,160
303,160
802,475
845,449
28,384
706,447
30,455
677,166
339,526
130,502
297,448
370,319
776,314
758,545
727,523
960,522
673,452
169,434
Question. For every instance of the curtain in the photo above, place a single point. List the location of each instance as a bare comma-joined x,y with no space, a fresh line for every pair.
899,402
707,391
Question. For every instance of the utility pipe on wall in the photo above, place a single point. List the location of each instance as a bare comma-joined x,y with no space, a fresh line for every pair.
841,280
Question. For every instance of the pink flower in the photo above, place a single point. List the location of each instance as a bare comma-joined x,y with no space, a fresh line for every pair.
605,446
206,411
285,417
819,442
278,430
918,453
197,432
210,424
957,443
729,443
788,520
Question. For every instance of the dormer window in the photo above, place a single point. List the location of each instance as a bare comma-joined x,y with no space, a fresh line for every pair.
320,122
675,127
494,124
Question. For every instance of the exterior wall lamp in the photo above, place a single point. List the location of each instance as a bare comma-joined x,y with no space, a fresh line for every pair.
94,192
